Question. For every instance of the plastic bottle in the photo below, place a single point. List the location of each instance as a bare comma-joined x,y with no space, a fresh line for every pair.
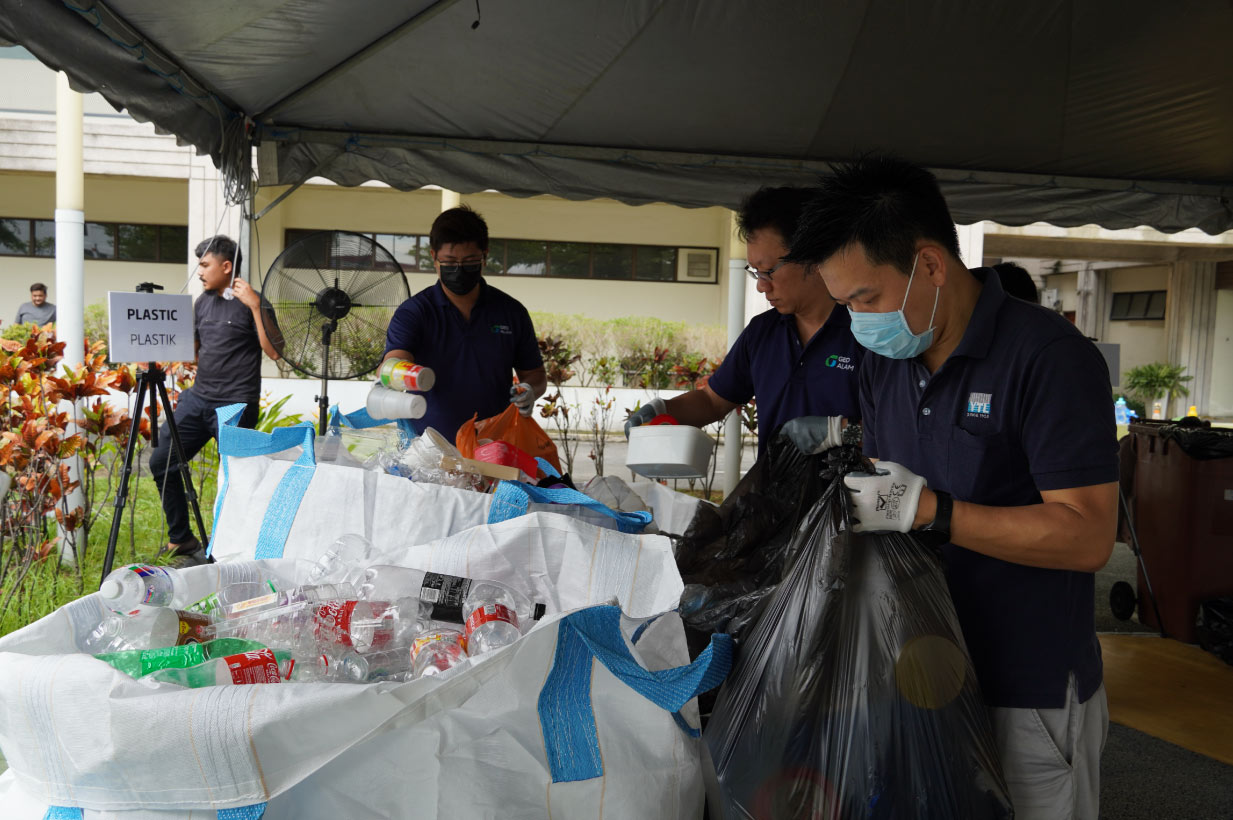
383,665
147,628
228,574
1120,413
384,403
491,618
1157,410
136,585
1193,412
400,374
138,662
341,560
436,651
367,625
260,666
249,597
445,593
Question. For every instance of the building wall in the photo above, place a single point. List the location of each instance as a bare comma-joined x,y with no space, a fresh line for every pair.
108,199
1142,342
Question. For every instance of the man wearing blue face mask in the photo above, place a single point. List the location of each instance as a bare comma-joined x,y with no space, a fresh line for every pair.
990,417
472,335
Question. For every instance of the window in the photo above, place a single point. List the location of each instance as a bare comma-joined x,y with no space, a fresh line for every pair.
1138,305
103,240
567,260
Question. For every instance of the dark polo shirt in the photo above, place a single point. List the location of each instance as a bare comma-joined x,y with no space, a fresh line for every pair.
1020,407
229,356
789,379
474,361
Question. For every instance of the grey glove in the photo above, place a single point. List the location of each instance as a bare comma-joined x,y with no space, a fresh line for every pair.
815,434
523,397
648,411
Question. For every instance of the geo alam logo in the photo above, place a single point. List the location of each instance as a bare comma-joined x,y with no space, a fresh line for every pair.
842,362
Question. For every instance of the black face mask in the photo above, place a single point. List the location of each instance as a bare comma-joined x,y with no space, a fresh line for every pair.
461,279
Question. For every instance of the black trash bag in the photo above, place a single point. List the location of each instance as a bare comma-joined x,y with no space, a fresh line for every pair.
1215,627
853,695
1198,439
733,555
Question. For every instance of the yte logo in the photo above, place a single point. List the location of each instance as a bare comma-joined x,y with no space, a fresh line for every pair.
888,503
979,405
504,330
842,362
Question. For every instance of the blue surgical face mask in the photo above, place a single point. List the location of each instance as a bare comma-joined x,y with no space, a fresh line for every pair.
888,334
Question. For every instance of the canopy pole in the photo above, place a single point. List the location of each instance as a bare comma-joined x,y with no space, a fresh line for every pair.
70,272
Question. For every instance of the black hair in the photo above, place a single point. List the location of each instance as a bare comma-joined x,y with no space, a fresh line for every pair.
1017,282
38,286
882,203
456,226
776,208
223,247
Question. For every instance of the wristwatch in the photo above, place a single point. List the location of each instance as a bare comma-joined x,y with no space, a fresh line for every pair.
941,517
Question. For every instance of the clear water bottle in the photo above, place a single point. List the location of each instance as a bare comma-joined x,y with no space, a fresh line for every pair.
436,651
147,628
342,560
250,597
491,618
383,665
261,666
1120,413
366,626
444,594
134,585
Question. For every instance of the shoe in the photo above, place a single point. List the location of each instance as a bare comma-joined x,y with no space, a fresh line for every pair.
190,559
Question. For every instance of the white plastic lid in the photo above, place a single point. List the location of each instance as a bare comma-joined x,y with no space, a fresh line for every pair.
110,589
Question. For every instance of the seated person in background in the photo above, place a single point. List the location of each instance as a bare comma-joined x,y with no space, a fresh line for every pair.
1017,282
473,336
38,309
798,358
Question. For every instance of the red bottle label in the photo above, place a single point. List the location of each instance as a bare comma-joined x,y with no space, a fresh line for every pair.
193,627
336,622
491,612
253,667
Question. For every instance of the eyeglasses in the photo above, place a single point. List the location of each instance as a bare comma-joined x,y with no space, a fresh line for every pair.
454,268
763,275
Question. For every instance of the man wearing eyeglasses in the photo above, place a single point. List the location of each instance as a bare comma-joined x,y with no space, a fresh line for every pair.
472,335
798,358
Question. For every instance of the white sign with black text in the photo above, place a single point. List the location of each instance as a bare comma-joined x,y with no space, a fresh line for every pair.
148,327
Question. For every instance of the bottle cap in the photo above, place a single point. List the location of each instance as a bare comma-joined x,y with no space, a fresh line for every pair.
110,589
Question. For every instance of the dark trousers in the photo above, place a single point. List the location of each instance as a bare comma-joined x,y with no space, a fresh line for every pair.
197,423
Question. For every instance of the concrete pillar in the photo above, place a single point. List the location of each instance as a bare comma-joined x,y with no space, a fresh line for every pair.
208,215
70,270
734,250
1190,324
1092,310
972,244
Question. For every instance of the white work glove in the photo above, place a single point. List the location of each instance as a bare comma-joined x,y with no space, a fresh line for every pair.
885,501
815,434
523,397
648,411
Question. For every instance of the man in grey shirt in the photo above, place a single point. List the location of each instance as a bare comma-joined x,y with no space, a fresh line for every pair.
233,326
38,309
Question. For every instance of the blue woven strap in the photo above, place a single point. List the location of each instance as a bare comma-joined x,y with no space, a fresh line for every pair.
547,467
512,497
253,812
238,442
565,712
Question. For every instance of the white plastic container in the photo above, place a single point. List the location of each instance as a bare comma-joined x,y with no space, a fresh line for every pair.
669,451
384,403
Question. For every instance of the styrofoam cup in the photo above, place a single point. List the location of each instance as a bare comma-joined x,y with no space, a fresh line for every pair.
384,403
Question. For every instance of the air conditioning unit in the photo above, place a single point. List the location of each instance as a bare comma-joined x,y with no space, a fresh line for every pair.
696,264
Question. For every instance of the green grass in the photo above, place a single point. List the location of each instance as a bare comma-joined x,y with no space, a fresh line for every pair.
143,533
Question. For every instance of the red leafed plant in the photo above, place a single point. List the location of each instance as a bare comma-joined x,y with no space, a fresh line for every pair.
50,417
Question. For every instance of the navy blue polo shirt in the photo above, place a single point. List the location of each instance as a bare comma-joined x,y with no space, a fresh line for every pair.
789,379
474,361
1021,406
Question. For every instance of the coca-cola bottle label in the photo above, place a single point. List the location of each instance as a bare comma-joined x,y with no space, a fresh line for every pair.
488,613
446,594
253,667
337,620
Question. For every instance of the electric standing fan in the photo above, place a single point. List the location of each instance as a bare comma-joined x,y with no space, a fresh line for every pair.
333,294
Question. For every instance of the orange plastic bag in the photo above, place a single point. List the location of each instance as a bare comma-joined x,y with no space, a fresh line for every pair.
512,428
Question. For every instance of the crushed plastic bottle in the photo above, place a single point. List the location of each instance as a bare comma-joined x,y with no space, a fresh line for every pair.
383,665
134,585
249,597
139,662
445,594
491,618
147,628
313,628
228,574
260,666
436,651
342,561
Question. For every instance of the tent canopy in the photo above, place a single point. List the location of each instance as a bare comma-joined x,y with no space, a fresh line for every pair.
1113,112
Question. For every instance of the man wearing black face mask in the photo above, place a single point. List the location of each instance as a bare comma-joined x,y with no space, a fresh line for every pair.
473,336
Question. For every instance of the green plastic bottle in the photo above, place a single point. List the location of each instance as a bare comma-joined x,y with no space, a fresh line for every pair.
139,662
